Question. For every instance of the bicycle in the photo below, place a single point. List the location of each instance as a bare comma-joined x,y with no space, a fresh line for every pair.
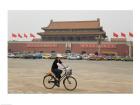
69,82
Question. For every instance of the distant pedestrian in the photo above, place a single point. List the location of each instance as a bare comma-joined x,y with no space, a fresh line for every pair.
96,53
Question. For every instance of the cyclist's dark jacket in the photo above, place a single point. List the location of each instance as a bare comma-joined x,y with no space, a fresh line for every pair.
54,65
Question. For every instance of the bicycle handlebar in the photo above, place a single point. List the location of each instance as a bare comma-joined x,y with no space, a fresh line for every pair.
65,68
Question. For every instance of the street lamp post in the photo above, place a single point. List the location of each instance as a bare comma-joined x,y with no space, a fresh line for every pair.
99,44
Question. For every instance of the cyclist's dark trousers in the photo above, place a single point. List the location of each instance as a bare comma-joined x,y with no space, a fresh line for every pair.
57,73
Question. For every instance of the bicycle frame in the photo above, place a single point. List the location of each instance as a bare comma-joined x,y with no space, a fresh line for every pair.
64,75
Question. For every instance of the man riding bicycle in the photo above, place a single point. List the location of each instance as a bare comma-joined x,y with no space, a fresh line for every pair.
56,68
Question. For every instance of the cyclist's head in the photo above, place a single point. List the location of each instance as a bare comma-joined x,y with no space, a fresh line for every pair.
58,56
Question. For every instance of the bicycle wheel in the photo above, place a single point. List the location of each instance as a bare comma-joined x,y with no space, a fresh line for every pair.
49,81
70,83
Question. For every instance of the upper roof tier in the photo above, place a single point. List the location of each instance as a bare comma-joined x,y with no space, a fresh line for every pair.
73,24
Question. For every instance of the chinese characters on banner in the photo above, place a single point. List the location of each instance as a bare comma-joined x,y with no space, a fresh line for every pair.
41,45
96,46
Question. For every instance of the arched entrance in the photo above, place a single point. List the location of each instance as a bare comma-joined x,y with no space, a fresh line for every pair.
68,51
83,52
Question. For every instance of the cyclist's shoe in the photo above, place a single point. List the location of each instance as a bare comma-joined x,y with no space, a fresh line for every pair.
57,83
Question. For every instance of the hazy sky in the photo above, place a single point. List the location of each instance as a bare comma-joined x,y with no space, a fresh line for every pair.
32,21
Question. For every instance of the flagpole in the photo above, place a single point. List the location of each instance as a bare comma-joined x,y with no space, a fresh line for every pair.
130,48
99,44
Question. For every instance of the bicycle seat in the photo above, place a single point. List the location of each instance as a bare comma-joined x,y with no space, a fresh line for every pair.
50,73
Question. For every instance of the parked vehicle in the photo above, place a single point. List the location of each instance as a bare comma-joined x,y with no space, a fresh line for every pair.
52,56
18,55
37,56
11,55
79,57
119,58
28,56
64,56
127,58
113,58
74,57
85,56
96,57
46,56
108,58
92,57
99,57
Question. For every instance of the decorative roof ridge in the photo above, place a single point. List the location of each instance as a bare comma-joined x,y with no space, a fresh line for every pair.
74,21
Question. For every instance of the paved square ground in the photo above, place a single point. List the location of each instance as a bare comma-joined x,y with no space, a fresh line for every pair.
26,76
